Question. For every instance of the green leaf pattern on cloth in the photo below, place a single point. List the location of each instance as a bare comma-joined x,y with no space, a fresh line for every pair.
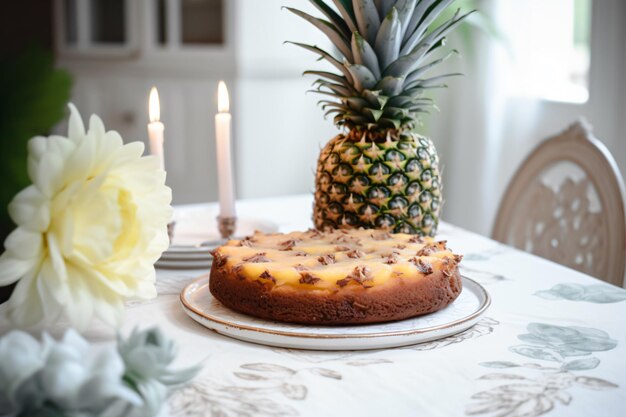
533,389
262,389
595,293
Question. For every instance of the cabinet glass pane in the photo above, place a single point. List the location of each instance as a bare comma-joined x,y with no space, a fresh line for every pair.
107,21
202,21
161,34
71,26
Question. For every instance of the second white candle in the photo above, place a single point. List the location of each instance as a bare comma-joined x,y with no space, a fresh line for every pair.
224,158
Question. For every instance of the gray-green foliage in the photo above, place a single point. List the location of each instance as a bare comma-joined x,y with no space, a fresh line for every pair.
387,49
69,378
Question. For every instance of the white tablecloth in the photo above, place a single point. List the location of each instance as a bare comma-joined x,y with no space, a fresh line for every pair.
552,343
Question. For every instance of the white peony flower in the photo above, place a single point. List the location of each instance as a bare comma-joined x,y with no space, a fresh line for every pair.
90,228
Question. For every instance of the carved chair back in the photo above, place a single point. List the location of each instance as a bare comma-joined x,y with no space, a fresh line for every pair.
566,203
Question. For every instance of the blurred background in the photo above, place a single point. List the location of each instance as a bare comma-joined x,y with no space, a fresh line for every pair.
531,68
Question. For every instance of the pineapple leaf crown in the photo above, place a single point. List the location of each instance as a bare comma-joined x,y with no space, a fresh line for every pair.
387,48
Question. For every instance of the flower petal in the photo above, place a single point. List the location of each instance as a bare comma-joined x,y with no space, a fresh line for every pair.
80,162
12,269
25,307
21,358
23,244
96,127
63,376
30,209
153,394
37,147
76,128
78,343
55,287
24,251
56,258
109,309
79,308
47,176
46,170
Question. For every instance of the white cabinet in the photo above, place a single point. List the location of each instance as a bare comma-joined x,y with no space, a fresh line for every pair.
185,47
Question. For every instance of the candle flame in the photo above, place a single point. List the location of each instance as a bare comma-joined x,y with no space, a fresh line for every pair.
223,103
154,107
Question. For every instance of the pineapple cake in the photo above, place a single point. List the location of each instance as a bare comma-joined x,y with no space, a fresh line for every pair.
379,172
335,277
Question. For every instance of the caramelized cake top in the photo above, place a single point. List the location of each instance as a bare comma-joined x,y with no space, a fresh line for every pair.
330,260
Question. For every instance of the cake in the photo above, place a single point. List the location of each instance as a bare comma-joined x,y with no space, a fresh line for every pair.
338,277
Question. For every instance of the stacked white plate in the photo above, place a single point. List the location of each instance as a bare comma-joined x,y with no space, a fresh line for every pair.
187,257
195,235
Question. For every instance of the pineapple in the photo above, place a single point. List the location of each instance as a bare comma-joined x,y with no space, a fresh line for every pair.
379,172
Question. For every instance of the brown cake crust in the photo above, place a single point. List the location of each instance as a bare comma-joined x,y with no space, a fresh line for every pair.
397,299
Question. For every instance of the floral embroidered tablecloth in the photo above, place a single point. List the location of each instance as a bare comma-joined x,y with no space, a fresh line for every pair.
552,343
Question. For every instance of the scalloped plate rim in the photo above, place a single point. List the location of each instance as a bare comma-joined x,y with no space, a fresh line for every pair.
256,333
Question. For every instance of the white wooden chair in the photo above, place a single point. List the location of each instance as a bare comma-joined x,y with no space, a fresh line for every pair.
566,203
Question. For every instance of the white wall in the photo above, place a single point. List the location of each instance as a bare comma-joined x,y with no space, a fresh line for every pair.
280,128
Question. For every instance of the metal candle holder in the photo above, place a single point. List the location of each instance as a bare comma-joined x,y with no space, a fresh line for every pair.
170,230
226,226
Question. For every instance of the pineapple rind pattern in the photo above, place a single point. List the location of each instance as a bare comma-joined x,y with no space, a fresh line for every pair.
379,173
393,184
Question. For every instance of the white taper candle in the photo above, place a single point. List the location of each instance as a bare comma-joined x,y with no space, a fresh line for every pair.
224,159
155,127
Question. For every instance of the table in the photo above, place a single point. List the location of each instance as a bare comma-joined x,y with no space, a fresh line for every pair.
552,343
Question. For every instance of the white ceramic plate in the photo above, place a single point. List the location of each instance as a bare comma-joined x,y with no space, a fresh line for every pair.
183,264
183,250
200,256
463,313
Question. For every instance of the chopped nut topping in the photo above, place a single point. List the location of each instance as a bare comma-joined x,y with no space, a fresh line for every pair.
237,271
257,258
266,274
249,240
317,260
343,282
431,248
346,239
220,260
326,259
416,239
308,278
287,244
390,258
422,266
314,233
449,265
355,254
360,274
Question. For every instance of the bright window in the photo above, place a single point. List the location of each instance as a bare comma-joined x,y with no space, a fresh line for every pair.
548,42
